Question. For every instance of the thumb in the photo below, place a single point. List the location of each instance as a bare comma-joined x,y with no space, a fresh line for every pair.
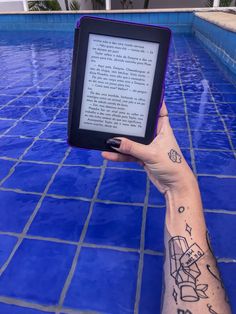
128,147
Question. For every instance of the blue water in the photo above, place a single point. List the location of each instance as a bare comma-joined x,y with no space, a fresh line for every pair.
77,232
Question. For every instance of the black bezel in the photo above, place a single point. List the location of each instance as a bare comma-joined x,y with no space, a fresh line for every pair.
92,25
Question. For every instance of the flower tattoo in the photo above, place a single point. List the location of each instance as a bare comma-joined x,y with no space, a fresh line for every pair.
174,156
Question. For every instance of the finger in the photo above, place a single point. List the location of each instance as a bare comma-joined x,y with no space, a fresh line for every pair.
128,147
163,111
118,157
163,118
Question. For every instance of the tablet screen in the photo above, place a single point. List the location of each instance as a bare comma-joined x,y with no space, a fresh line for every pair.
118,83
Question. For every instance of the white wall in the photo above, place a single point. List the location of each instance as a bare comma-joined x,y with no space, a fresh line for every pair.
10,7
138,4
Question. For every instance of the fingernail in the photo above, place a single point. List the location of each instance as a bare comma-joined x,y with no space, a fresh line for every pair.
114,142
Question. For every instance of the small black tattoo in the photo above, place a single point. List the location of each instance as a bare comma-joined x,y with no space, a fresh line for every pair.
181,209
175,295
174,156
210,309
179,311
188,229
184,269
192,255
211,272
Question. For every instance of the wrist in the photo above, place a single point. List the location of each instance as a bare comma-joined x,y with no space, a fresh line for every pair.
186,186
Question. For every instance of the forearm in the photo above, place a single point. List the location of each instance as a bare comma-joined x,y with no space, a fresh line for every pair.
192,280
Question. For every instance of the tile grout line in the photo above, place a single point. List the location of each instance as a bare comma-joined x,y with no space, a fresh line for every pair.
216,108
16,96
84,199
142,247
22,94
218,175
12,170
82,244
37,306
28,111
81,240
32,216
192,154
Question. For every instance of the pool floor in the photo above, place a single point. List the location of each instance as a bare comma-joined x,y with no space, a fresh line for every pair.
82,235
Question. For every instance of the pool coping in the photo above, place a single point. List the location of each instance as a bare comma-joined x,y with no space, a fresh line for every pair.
222,19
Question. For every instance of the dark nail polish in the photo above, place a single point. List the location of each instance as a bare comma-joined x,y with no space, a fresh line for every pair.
114,142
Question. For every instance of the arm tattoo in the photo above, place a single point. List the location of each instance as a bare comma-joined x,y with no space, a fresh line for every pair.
179,311
184,269
174,156
181,209
210,309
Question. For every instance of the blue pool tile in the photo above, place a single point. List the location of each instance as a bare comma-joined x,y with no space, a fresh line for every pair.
20,206
14,147
5,99
5,166
48,151
59,93
28,177
105,281
5,124
117,225
123,186
23,277
175,106
205,122
37,91
13,309
211,140
227,109
26,128
60,218
26,101
225,88
7,244
218,193
233,138
215,162
12,112
224,97
182,138
230,123
224,246
55,131
41,114
150,301
155,197
80,156
198,97
62,116
75,181
53,102
227,272
178,121
201,108
13,90
154,236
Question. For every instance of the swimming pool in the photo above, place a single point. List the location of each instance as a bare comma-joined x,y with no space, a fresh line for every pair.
78,233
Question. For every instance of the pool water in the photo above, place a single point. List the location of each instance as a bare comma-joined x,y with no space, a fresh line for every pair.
82,235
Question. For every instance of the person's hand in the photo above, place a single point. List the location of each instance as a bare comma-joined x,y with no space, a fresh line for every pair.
162,159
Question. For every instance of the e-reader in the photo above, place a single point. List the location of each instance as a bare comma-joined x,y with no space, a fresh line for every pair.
117,81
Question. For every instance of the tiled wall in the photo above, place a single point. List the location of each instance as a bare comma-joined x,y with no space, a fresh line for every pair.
178,21
220,41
